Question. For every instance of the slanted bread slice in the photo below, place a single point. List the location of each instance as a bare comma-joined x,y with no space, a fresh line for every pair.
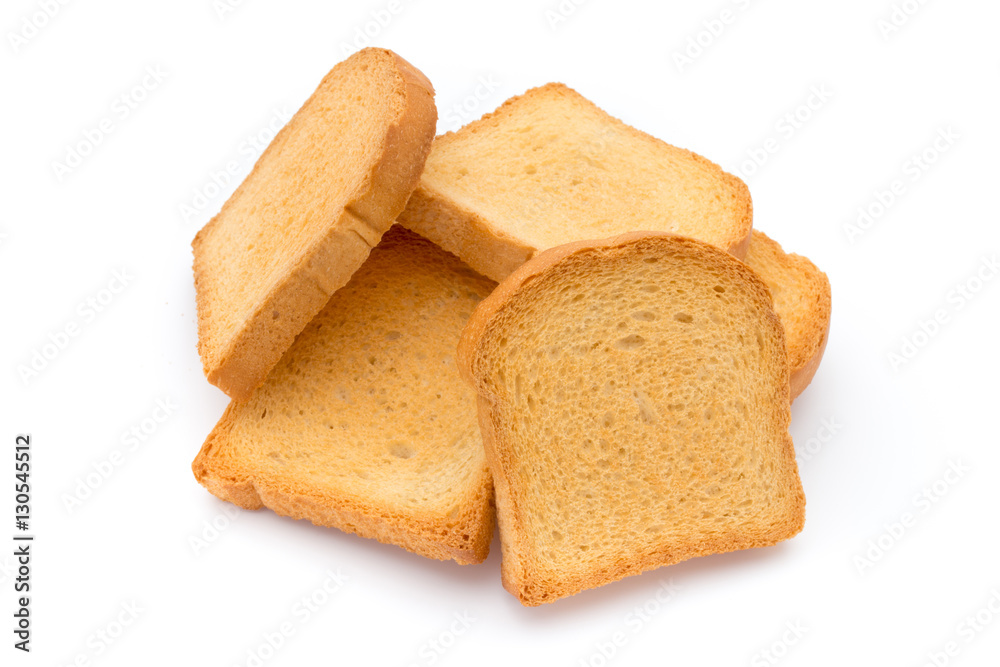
322,194
633,399
550,167
365,424
801,294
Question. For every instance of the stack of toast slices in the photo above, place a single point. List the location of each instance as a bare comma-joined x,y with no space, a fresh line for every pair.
546,320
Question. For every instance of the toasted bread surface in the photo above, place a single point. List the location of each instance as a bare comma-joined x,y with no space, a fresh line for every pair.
365,424
802,299
634,405
550,167
319,198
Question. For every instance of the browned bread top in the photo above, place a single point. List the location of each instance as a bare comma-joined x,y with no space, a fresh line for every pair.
321,195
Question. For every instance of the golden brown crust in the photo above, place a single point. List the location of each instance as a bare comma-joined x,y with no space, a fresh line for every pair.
505,504
741,240
521,574
424,534
808,328
465,233
494,252
803,375
329,263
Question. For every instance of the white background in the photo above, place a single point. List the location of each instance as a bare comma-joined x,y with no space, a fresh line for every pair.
897,430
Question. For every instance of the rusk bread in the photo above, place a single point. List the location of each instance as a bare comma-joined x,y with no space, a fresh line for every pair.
634,405
365,424
801,294
549,167
318,199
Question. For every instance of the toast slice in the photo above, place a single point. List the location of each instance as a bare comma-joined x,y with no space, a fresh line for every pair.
550,167
633,399
365,424
318,199
801,294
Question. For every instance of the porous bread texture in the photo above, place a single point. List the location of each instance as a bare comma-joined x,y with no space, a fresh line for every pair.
633,399
365,424
801,294
550,167
319,198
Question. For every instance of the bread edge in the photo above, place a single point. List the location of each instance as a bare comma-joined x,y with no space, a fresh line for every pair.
422,534
820,317
245,362
464,233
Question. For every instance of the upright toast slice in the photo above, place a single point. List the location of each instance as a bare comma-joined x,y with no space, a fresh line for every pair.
318,199
365,424
801,294
550,167
634,404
